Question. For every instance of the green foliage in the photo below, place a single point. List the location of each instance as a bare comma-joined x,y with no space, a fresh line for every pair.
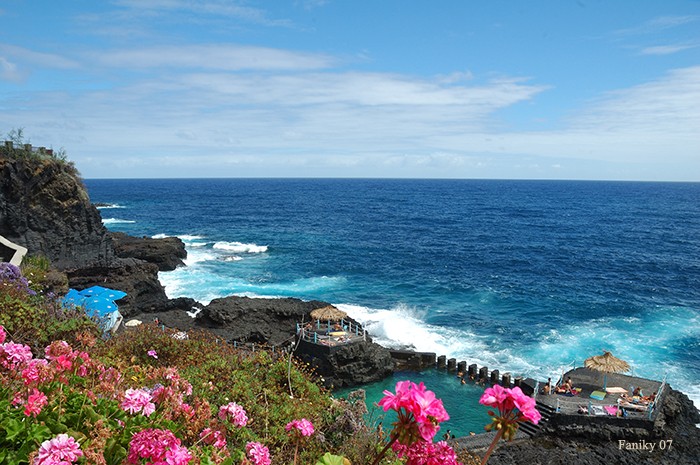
84,400
330,459
21,150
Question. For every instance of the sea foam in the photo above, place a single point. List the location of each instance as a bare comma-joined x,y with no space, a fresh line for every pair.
239,247
116,221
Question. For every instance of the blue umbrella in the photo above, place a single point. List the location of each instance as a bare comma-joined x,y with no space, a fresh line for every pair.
99,306
93,291
73,299
112,294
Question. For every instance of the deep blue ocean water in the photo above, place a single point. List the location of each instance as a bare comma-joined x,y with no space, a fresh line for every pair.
530,277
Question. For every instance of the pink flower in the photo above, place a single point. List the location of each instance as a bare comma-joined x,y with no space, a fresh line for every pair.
493,396
63,363
138,400
56,349
13,355
61,450
427,453
36,401
304,426
178,455
3,334
507,400
257,453
419,410
210,436
35,371
153,353
233,413
153,445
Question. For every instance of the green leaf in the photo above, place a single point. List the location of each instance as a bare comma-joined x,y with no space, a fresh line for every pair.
330,459
12,427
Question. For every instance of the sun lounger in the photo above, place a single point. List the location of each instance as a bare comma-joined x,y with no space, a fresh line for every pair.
598,410
611,409
616,390
631,406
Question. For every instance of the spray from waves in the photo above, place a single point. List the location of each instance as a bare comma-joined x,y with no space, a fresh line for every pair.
402,327
239,247
116,221
109,205
645,342
642,341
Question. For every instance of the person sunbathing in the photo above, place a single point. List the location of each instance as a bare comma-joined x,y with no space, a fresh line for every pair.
565,388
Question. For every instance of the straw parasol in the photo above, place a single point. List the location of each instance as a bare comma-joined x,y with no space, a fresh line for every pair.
606,363
328,313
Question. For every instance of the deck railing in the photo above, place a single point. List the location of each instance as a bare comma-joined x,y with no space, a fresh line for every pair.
319,331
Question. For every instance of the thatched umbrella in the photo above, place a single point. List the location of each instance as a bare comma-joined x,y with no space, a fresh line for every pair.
606,363
329,313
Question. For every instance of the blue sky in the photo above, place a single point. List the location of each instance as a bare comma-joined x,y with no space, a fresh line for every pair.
450,89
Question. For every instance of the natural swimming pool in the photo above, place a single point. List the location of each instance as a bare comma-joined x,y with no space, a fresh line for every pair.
460,400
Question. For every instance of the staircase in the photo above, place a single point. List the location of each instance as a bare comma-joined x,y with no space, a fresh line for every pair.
530,429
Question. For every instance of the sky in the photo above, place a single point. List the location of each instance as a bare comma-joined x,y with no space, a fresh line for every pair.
559,89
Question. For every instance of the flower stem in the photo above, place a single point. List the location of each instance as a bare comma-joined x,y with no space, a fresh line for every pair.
386,448
492,446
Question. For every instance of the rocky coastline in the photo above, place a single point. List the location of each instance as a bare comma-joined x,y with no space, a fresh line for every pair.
45,208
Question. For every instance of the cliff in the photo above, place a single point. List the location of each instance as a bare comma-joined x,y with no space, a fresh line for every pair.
45,207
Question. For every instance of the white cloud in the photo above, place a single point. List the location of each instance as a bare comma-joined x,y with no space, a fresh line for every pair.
666,49
219,57
9,71
48,60
658,24
223,8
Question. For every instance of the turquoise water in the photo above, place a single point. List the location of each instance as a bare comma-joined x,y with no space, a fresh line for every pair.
460,400
529,277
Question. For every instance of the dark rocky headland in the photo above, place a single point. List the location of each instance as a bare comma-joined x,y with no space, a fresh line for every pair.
45,208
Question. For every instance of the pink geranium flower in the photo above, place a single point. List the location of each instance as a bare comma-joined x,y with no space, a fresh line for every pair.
514,407
35,402
153,353
213,437
304,426
157,446
35,372
420,412
3,334
56,349
13,355
61,450
257,453
233,413
138,400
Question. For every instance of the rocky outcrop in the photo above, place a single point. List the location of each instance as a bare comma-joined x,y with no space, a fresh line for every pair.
139,279
242,319
45,208
351,364
167,253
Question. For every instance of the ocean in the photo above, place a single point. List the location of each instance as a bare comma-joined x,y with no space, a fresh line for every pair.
529,277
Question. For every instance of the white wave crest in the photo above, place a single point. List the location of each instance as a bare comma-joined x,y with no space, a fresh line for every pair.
189,237
232,258
109,205
239,247
116,221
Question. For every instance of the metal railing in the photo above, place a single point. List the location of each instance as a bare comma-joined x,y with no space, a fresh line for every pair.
331,333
